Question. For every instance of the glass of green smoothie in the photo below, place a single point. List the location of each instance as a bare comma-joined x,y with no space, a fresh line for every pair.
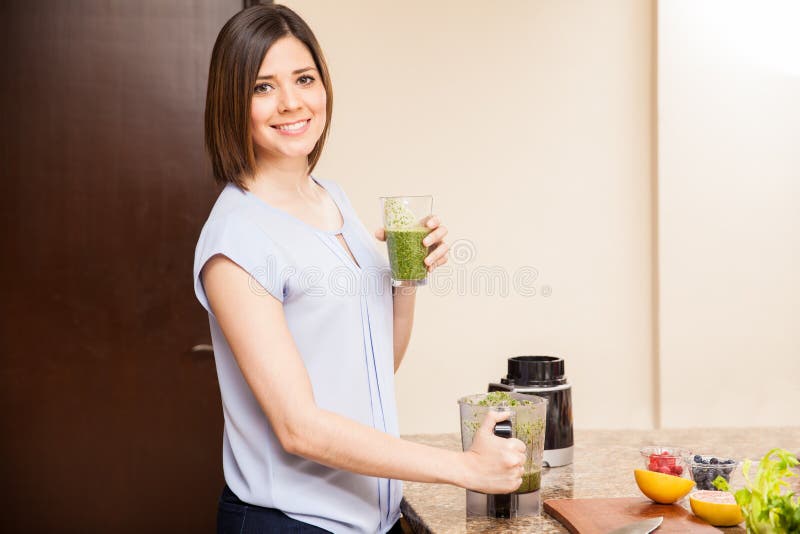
404,219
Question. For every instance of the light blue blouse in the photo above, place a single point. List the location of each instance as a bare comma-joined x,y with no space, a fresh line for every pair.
340,316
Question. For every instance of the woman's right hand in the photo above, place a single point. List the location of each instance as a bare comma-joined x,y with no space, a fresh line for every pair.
494,465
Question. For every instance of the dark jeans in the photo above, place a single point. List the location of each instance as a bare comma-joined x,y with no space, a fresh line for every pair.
237,517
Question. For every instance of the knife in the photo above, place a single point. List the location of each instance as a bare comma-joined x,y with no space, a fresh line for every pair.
639,527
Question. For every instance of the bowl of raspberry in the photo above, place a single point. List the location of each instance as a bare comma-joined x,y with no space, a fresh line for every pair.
667,460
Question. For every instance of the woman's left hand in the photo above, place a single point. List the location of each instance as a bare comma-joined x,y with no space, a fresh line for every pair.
437,248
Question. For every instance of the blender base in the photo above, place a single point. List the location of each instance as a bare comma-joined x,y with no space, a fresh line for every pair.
504,506
557,457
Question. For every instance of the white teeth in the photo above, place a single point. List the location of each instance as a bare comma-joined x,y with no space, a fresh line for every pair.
292,127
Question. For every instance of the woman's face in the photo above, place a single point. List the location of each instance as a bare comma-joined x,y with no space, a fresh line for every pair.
287,113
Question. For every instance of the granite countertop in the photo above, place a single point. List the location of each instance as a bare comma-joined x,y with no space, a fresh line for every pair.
603,467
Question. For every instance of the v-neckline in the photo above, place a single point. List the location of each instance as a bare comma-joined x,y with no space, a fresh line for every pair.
343,244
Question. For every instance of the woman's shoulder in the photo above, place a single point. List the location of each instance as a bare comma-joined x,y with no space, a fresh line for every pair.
240,229
230,203
235,229
236,207
230,219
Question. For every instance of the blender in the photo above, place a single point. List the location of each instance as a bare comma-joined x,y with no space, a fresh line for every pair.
528,416
544,376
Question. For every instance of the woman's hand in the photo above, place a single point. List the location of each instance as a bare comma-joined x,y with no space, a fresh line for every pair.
494,465
437,248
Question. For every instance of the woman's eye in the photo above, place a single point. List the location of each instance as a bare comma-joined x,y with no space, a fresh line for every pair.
262,88
305,80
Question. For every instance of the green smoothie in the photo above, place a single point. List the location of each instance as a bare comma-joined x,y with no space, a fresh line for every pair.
531,481
407,253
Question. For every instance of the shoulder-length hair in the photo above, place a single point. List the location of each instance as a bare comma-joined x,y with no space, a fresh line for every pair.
238,52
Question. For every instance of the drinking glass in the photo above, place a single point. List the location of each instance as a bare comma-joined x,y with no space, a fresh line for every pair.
404,220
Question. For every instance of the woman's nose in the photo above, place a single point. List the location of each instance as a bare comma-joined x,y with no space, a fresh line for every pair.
289,99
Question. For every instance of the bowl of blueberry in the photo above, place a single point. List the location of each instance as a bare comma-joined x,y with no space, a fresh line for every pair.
667,460
704,469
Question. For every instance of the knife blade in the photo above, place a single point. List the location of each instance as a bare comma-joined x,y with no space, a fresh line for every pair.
639,527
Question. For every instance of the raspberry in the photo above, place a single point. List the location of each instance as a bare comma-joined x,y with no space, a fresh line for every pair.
655,462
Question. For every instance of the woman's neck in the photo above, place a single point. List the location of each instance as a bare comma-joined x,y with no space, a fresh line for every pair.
282,178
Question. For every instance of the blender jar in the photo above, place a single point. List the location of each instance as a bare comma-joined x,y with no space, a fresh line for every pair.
528,419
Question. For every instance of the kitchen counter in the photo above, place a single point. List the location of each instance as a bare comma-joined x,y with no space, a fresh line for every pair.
603,467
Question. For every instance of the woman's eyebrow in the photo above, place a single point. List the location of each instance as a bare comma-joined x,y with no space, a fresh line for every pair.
298,71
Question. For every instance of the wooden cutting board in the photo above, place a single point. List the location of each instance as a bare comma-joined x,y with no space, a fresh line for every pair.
600,516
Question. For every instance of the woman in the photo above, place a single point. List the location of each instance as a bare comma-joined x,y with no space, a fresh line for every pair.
306,368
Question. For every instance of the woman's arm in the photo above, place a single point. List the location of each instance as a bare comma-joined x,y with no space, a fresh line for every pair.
404,298
255,327
404,301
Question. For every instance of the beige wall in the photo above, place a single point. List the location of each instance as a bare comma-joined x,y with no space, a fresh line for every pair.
533,124
729,202
530,123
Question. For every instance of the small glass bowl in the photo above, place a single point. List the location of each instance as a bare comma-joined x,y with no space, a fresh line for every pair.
667,460
704,469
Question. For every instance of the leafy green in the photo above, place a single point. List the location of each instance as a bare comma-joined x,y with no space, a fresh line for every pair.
721,484
766,503
497,398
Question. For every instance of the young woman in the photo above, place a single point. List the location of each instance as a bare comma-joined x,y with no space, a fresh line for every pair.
305,363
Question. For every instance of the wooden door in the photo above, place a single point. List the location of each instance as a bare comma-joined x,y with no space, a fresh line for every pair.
110,423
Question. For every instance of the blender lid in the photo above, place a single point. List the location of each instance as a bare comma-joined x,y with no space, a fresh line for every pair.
535,371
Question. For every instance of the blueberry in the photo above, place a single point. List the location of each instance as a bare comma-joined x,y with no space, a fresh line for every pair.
729,462
713,461
698,459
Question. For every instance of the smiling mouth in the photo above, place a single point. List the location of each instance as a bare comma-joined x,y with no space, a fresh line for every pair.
293,126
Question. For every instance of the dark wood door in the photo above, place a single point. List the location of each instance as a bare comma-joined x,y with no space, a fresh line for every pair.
110,423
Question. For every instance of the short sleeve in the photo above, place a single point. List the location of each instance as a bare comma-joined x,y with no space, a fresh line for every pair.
246,244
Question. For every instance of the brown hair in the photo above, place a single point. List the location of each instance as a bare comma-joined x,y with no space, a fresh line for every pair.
238,52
